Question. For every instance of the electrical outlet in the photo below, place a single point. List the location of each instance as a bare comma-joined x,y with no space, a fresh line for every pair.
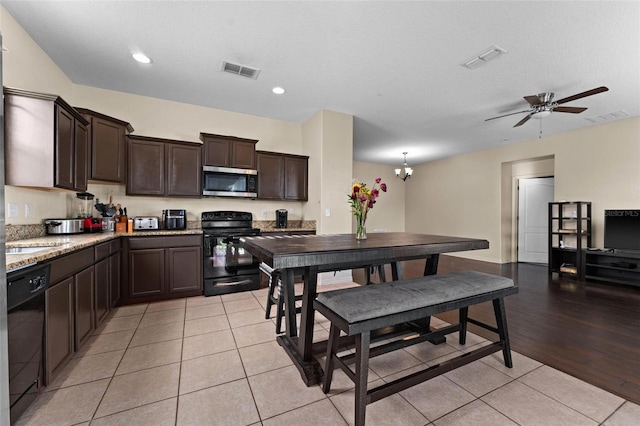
264,213
292,211
327,212
12,210
27,210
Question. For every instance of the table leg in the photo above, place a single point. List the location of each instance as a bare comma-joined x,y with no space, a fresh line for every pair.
431,268
396,271
309,292
300,349
289,302
431,265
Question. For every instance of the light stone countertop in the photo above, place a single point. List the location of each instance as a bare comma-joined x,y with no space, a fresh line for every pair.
57,245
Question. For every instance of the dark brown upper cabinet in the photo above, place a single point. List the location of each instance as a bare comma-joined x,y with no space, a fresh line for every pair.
163,167
282,176
228,151
107,148
46,142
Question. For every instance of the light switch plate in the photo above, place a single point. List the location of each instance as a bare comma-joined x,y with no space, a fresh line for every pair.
12,210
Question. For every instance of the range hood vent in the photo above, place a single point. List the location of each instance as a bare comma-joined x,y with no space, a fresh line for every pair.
241,70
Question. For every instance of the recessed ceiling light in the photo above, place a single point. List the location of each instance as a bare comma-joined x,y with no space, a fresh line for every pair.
278,90
142,58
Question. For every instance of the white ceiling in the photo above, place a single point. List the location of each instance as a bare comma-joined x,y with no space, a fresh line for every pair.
395,66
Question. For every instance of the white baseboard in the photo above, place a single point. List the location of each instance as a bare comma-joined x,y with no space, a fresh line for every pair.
325,278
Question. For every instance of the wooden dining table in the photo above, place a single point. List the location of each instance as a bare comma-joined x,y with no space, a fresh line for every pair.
309,255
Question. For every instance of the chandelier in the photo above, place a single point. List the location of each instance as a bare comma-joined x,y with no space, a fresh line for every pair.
408,171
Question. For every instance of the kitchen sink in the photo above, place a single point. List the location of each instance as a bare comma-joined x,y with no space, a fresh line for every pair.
25,250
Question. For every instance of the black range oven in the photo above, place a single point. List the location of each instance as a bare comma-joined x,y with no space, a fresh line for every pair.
228,268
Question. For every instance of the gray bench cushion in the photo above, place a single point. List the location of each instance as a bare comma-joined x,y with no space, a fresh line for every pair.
377,300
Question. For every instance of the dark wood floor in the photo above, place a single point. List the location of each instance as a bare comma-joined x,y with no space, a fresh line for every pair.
586,329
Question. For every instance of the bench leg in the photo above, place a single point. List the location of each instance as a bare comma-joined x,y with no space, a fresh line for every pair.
464,314
501,321
362,371
332,350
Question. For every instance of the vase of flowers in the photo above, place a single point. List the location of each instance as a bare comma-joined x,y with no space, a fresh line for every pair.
362,200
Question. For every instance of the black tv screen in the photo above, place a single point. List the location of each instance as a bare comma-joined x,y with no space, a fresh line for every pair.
622,229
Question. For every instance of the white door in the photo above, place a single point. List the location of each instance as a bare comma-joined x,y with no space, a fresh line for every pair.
534,196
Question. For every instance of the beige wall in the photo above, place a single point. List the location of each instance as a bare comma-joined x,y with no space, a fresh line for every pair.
388,213
464,195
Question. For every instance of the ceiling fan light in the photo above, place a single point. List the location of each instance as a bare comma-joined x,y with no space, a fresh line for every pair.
541,114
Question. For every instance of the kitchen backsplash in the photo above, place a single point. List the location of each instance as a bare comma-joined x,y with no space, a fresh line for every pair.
23,232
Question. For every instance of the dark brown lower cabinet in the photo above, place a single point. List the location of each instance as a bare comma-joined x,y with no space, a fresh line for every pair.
146,272
114,278
162,267
185,269
84,307
102,279
78,299
59,340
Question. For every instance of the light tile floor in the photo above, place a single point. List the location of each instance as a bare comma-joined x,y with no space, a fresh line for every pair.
215,361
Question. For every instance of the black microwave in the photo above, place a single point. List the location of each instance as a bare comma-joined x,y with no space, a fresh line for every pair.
229,182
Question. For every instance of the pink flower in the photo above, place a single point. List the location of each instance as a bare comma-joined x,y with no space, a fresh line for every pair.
378,180
363,197
375,193
383,187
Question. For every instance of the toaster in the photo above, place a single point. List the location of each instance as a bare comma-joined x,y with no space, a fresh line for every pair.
145,223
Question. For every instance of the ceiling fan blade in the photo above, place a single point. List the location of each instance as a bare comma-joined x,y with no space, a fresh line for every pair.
583,94
533,100
572,110
506,115
524,120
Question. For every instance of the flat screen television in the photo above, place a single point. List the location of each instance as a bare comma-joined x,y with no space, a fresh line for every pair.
622,230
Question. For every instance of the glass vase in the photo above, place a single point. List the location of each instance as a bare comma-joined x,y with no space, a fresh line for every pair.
361,229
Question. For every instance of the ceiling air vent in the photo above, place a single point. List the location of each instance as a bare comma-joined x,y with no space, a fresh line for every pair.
241,70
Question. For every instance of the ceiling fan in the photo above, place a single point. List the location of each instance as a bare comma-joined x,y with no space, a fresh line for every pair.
542,104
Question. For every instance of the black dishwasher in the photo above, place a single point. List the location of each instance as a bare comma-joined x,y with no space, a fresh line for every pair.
25,329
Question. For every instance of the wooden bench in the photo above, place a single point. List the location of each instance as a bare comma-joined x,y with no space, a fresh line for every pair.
358,311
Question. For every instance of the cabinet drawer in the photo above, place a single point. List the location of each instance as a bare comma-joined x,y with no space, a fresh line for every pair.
102,250
71,264
164,242
115,246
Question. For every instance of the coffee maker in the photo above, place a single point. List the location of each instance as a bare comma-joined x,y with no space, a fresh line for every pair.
281,218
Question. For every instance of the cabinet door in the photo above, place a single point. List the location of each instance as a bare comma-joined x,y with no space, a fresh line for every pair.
184,169
243,155
185,270
295,178
216,152
146,168
81,155
59,327
146,272
270,176
64,149
102,271
114,279
107,151
84,305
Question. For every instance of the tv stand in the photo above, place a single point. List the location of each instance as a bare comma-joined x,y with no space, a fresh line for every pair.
618,267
